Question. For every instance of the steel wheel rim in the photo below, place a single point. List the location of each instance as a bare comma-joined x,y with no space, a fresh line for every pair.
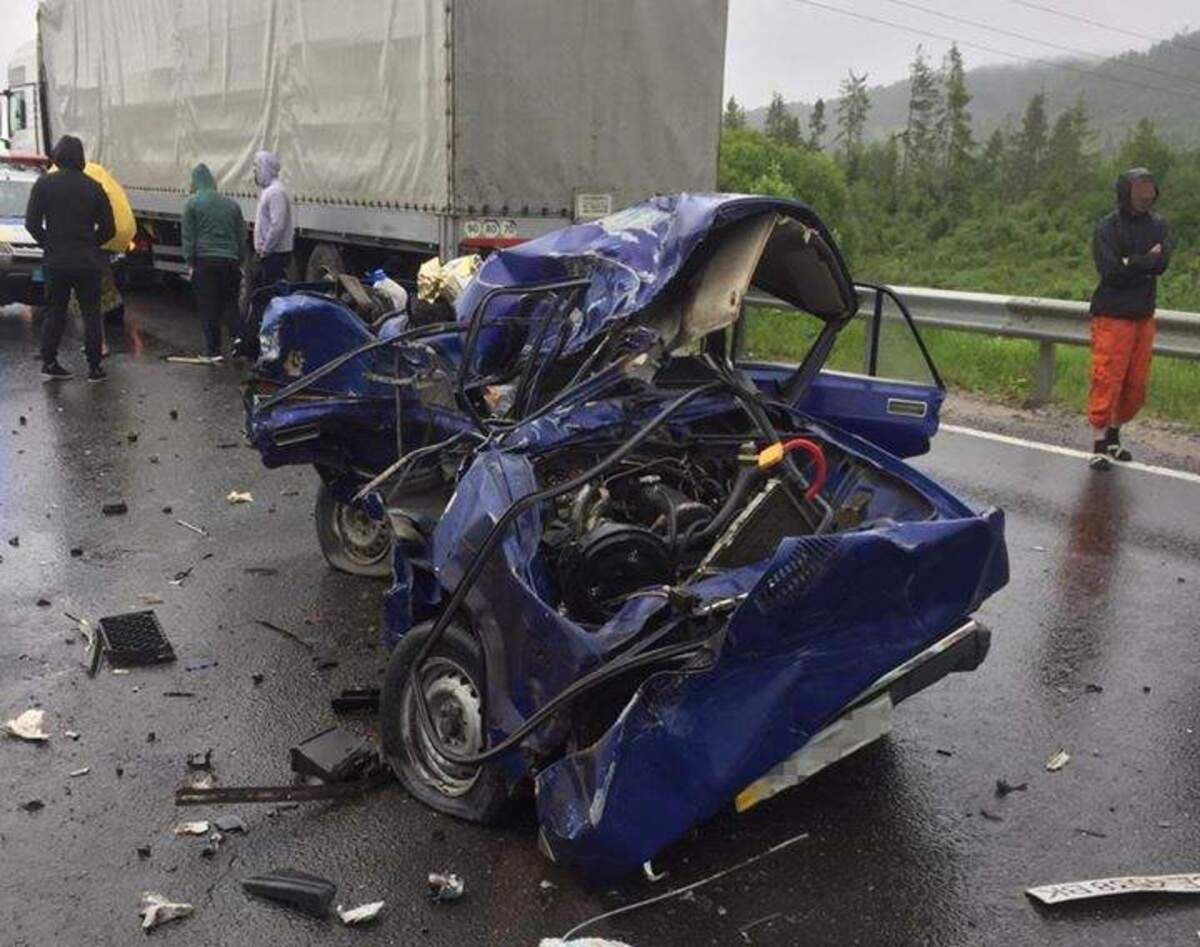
363,539
457,712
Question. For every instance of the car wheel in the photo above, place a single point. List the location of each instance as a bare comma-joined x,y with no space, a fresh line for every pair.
452,679
350,540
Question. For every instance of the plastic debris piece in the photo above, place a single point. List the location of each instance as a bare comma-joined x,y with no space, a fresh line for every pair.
651,874
71,734
135,638
356,700
143,852
76,552
581,942
305,892
334,755
201,664
230,823
257,677
445,887
192,526
1105,887
1092,833
150,600
82,771
116,508
1058,760
1004,787
238,496
201,759
173,414
545,884
28,726
260,570
156,910
363,914
43,603
212,845
192,828
33,805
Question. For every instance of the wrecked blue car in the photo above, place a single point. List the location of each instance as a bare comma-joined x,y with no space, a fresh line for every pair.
635,574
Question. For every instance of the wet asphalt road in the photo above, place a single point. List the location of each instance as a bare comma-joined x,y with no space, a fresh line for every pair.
1105,591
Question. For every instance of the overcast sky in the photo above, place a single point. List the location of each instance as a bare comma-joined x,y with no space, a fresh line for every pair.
804,51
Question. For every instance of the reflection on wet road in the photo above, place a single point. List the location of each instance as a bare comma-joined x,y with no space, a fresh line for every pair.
1094,651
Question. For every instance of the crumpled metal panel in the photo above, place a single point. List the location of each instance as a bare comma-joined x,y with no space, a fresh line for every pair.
631,257
792,656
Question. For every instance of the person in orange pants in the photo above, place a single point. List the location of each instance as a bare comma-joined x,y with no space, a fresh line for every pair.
1131,250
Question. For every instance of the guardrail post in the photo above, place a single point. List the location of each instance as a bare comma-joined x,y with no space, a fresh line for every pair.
1043,375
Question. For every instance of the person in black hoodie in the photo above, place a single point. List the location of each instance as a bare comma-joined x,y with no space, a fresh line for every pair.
1131,249
70,218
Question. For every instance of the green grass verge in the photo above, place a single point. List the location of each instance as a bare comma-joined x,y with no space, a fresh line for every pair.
994,367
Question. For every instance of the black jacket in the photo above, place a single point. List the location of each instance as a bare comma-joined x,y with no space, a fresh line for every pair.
1128,271
69,214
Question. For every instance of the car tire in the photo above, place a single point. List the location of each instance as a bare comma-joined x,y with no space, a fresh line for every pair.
454,680
350,540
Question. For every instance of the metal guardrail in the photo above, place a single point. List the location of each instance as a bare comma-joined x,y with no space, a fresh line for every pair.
1045,321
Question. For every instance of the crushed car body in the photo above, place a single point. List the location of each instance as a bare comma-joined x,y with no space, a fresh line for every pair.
659,579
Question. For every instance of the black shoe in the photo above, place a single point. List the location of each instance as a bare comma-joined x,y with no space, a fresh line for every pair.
96,374
55,371
1100,462
1112,445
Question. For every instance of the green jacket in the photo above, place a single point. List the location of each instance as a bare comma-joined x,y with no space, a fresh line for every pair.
213,227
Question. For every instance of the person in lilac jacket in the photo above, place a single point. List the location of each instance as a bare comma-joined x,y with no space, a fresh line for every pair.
273,239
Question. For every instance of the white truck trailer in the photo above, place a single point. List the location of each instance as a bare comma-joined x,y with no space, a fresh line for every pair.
405,127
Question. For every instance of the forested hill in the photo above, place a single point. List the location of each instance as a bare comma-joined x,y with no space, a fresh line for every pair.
1000,93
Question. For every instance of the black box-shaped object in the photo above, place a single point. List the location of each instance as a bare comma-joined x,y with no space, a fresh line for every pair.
134,638
334,756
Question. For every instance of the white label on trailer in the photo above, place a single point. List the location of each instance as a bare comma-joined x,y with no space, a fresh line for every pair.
489,228
593,206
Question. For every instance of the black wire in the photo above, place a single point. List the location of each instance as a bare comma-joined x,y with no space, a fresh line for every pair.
1103,26
479,561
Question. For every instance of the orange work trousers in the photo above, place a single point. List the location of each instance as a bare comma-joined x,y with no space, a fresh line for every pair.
1121,351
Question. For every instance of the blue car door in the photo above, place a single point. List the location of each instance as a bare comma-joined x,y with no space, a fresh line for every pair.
886,390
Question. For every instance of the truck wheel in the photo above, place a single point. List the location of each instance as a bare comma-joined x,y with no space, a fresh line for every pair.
452,679
324,262
350,540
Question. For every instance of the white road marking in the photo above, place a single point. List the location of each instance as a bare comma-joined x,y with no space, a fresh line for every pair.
1184,475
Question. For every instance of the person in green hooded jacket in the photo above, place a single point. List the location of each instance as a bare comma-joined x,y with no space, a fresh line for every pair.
214,243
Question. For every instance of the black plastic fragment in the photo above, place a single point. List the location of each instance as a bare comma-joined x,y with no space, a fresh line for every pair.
135,638
355,700
333,756
116,508
305,892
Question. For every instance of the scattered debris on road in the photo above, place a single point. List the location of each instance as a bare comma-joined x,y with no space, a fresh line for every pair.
445,887
194,528
1105,887
229,824
192,828
676,892
1093,688
15,541
212,845
333,756
355,700
33,805
71,734
237,496
260,570
280,630
28,726
82,771
134,639
200,759
581,942
363,914
1058,760
991,816
308,893
1092,833
116,508
76,552
1004,787
156,910
287,796
143,852
651,874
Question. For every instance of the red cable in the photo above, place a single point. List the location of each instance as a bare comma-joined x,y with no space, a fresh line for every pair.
820,469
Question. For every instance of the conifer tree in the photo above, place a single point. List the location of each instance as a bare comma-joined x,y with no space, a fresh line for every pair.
735,115
816,125
954,121
853,107
920,137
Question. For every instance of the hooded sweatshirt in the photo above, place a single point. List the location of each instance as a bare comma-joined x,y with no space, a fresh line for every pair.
273,220
1128,271
213,226
68,213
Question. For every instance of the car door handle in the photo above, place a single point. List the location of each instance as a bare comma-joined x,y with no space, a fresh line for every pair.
906,407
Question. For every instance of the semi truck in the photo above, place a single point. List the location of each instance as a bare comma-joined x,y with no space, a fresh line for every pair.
406,128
